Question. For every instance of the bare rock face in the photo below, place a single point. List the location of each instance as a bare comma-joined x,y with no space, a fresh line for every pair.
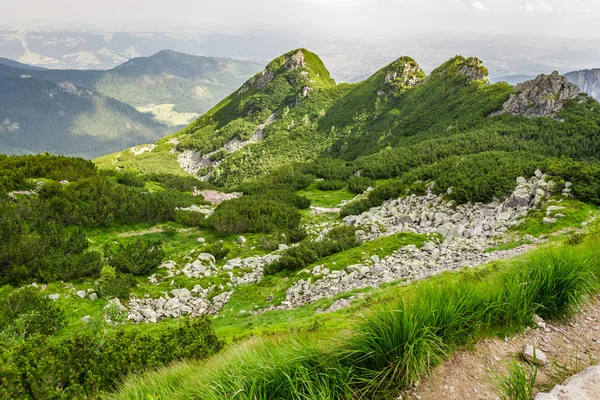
541,97
295,61
474,69
583,386
404,72
266,77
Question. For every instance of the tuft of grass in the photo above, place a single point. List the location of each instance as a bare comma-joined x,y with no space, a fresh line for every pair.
516,383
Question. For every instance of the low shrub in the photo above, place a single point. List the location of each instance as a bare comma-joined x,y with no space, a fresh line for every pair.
82,363
42,315
141,257
307,252
218,250
254,214
190,218
331,185
113,284
358,184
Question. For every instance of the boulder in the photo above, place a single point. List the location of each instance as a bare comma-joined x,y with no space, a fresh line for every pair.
81,294
582,386
534,355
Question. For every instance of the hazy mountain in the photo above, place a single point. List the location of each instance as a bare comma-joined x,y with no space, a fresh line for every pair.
38,114
192,83
588,80
91,113
16,64
347,58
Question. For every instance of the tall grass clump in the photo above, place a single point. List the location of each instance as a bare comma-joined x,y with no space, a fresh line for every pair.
401,342
516,383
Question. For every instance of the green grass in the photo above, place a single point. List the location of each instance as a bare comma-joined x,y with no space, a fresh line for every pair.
397,343
328,199
575,212
516,383
160,161
381,247
508,246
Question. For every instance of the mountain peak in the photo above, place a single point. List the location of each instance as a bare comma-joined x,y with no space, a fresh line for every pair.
301,63
402,73
472,68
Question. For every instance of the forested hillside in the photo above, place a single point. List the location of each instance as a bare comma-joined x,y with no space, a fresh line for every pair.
38,115
91,113
192,83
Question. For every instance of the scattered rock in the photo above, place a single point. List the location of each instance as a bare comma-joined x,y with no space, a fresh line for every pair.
534,355
93,297
81,293
54,296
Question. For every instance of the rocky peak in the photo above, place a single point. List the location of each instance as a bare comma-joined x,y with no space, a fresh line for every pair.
404,72
543,96
474,69
295,61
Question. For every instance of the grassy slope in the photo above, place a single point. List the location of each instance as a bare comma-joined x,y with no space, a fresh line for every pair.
471,304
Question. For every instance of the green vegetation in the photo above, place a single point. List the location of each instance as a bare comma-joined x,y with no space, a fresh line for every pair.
338,239
80,364
517,383
397,344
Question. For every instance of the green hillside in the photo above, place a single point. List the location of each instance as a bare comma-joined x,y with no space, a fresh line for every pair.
303,239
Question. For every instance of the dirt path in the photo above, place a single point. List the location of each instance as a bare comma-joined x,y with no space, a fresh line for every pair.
570,346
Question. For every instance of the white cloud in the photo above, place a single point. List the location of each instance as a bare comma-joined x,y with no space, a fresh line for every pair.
478,5
538,6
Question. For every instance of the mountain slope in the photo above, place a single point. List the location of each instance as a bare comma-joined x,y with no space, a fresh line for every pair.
39,115
396,124
16,64
588,80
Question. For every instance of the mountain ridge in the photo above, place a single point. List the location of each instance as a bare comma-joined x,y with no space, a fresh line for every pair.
286,115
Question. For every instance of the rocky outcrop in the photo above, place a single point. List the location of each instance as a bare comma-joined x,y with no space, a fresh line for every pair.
265,78
404,73
474,69
295,61
202,165
582,386
541,97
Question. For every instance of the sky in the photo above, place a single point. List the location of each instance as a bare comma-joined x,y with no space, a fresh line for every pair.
342,18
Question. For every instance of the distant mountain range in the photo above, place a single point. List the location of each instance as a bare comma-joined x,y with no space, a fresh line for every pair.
588,81
90,113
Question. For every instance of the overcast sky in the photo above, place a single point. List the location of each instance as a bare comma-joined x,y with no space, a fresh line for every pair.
367,18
